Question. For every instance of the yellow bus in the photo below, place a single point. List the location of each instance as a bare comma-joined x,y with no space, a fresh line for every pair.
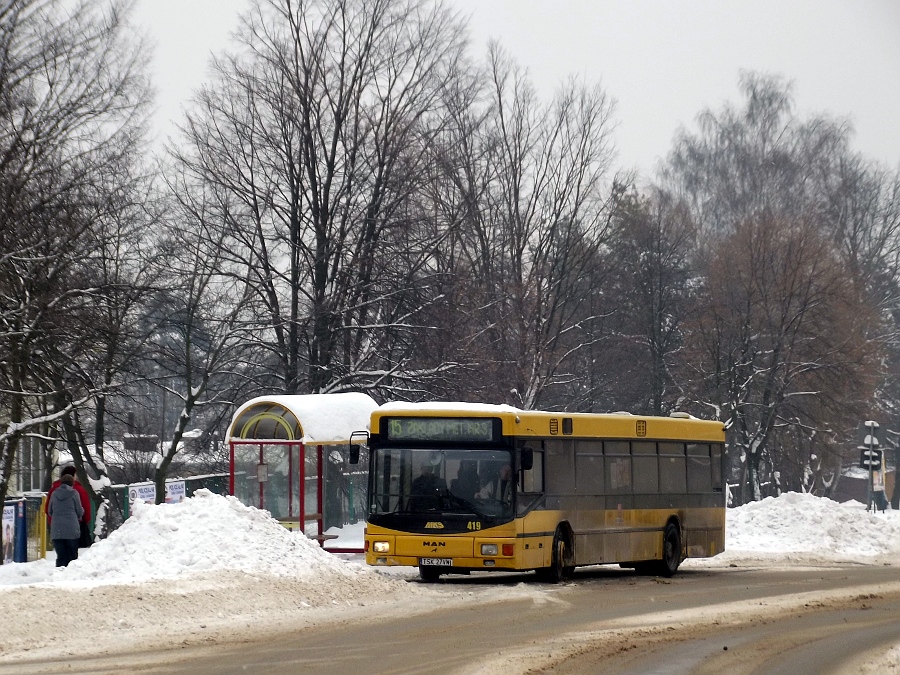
456,487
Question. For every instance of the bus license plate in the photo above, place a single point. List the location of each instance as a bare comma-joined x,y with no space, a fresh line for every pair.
439,562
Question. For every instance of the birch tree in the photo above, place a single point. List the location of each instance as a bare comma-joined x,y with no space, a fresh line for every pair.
776,317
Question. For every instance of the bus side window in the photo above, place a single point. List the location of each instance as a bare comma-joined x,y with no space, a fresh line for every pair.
716,466
560,457
618,467
699,475
589,467
645,466
672,470
533,479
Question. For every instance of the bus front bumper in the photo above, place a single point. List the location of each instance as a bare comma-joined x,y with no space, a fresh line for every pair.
459,564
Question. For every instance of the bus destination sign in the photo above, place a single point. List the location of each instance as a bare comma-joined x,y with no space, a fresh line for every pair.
451,429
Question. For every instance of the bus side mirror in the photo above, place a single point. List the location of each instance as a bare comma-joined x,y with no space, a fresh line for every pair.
354,447
526,459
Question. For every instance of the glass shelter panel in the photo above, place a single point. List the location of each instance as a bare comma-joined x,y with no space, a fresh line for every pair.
345,487
265,476
280,489
246,487
311,489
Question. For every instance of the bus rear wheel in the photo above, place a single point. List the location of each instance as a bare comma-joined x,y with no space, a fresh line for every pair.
558,571
671,551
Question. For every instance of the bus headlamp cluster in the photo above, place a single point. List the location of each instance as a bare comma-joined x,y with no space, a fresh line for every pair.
507,550
381,547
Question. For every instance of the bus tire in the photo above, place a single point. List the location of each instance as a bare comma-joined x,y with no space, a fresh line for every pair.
671,551
429,574
558,571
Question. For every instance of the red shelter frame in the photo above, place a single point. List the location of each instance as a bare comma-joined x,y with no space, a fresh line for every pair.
282,428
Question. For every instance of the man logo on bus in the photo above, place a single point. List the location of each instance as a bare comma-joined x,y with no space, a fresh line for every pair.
434,543
433,525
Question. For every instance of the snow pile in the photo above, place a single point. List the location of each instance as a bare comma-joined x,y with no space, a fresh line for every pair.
212,570
802,523
206,569
210,533
206,533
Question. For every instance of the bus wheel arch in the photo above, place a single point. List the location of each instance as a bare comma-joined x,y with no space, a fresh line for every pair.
672,548
562,558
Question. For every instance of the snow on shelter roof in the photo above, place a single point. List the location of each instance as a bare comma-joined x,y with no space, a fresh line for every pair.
310,418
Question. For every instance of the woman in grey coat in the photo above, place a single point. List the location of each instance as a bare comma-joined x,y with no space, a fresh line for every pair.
65,510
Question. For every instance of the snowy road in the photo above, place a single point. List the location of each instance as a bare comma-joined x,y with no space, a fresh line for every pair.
771,620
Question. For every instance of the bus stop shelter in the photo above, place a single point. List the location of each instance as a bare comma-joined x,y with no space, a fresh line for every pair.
290,456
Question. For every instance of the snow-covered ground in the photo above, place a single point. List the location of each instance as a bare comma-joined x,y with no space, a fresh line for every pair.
211,568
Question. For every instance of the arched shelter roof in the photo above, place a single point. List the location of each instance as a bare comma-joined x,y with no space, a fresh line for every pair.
310,418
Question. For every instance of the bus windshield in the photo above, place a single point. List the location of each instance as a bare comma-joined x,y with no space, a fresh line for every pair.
451,481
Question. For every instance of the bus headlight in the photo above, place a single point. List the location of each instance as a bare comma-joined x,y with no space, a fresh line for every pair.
489,549
381,547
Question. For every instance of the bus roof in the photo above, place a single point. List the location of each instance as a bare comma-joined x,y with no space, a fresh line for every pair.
525,423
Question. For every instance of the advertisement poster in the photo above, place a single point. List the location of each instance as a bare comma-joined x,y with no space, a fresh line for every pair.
9,527
145,492
175,492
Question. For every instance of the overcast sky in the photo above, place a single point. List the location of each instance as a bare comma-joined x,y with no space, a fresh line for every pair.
663,61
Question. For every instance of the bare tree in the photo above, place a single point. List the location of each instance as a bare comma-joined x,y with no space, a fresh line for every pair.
756,181
784,351
530,210
650,248
314,136
862,213
97,352
72,99
756,160
200,348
